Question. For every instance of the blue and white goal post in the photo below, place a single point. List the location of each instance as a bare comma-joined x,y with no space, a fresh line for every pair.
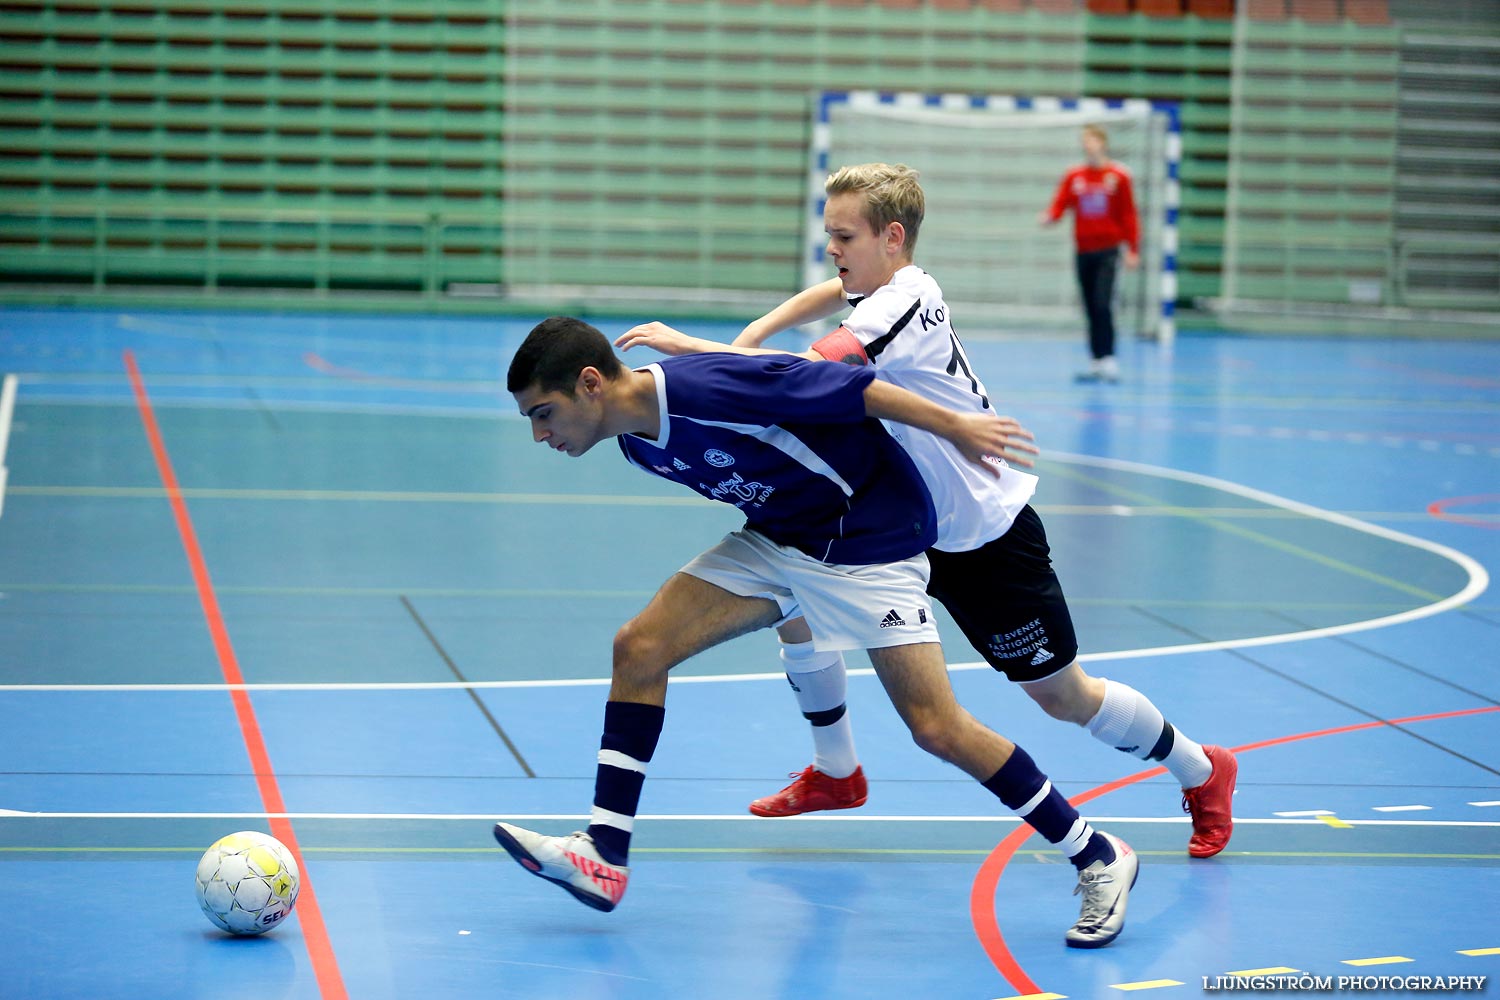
989,166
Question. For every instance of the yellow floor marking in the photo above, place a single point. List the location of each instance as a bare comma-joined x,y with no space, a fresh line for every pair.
1387,960
1336,823
1275,970
1481,951
1149,984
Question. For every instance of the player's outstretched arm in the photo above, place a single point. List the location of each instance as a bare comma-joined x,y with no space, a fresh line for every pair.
660,337
817,302
979,436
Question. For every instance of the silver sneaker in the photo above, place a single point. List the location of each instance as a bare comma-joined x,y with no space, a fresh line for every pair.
573,862
1105,889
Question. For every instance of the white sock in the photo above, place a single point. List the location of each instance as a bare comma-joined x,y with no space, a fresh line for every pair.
821,686
1129,722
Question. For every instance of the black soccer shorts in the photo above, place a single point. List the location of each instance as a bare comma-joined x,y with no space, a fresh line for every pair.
1008,601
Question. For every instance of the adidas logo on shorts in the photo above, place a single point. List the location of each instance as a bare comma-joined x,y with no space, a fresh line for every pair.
892,619
1042,656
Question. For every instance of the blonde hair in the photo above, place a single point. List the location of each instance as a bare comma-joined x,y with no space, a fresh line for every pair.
892,194
1097,131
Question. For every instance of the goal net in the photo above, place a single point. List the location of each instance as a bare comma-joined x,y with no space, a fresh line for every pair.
989,166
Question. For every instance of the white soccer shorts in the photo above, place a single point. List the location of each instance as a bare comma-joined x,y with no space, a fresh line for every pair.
846,607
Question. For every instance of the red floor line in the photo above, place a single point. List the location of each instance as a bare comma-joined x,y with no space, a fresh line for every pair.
314,930
318,363
1440,510
983,895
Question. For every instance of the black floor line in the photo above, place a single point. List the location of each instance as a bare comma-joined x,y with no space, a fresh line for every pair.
1413,668
473,695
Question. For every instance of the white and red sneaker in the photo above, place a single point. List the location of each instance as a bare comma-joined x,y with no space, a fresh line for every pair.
1105,890
813,791
573,862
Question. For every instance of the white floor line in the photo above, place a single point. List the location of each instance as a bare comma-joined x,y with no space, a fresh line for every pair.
1478,581
704,818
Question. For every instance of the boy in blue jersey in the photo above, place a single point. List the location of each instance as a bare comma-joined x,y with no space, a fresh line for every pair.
837,523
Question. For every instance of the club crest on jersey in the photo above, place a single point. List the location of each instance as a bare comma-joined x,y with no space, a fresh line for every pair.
718,459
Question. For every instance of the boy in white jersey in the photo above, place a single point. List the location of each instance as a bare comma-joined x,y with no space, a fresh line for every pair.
991,565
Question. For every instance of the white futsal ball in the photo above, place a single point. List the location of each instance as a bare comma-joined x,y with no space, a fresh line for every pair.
247,883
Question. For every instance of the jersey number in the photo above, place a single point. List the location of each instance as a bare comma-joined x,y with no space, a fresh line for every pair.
959,360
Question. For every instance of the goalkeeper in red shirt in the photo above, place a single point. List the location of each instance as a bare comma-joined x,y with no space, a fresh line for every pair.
1103,205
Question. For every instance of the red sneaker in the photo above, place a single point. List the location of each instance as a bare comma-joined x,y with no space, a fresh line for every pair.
1210,805
812,791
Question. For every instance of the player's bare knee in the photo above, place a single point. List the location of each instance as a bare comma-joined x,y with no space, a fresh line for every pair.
1068,696
1062,705
638,651
936,734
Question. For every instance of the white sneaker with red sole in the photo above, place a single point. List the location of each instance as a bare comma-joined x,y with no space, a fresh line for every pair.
572,862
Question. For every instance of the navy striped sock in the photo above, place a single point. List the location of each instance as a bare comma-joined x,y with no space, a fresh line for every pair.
630,734
1026,791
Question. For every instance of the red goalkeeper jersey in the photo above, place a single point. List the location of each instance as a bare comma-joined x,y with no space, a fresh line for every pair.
1103,207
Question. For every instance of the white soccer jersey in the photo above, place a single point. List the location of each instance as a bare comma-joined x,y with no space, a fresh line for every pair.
906,333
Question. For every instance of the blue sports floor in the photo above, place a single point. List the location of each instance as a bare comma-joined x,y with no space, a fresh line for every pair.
310,575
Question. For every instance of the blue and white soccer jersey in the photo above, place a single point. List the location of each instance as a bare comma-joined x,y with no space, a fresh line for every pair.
904,331
837,515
